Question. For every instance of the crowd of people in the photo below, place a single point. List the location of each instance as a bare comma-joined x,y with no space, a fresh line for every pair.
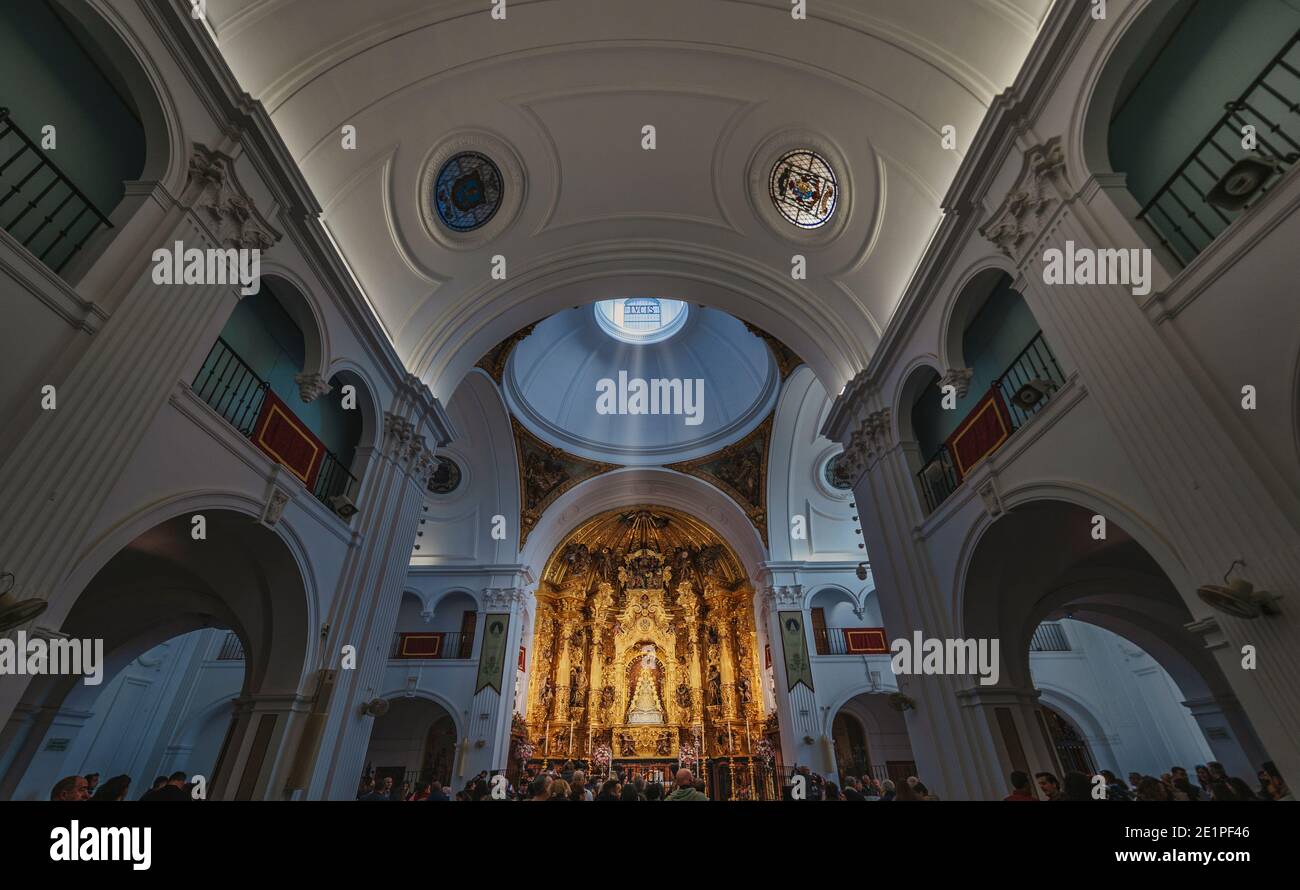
1212,783
174,787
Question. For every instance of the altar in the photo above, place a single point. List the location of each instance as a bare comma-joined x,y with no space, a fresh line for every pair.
644,644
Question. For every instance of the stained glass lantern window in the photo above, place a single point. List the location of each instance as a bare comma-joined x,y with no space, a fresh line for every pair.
804,189
468,191
641,319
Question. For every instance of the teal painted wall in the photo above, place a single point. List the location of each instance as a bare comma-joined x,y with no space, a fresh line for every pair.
995,336
47,78
1210,59
271,343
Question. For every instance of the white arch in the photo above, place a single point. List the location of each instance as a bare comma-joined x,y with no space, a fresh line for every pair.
645,485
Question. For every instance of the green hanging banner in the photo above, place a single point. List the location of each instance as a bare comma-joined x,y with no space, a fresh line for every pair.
492,654
798,668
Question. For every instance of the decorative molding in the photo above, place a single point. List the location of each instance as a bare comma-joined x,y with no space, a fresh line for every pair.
873,437
231,214
786,358
959,378
311,386
1022,216
513,186
784,596
739,471
504,597
494,362
546,473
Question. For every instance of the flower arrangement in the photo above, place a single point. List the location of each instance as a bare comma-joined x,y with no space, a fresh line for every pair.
765,750
601,756
686,755
524,749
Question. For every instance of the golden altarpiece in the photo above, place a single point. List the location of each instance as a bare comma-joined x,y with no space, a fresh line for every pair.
645,645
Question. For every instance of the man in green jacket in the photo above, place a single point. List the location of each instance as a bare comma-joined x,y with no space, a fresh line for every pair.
686,789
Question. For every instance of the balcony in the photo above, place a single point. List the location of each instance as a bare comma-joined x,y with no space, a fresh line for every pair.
231,648
1016,395
1049,637
431,645
49,215
1181,213
850,641
244,399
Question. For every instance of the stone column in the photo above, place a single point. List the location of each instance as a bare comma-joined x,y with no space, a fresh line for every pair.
364,610
953,749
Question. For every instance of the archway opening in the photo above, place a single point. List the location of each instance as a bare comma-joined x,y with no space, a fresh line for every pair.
1114,621
871,742
225,584
412,745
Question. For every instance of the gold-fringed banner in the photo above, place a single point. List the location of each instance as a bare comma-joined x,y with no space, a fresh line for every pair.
798,668
492,654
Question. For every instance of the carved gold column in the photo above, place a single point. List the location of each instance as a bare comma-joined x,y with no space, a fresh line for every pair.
601,606
689,602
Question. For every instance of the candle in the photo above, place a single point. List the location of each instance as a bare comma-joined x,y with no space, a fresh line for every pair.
731,747
570,738
548,735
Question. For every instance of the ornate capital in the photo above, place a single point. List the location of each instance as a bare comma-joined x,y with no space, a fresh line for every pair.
398,434
311,386
872,438
502,597
227,208
959,379
785,596
1016,225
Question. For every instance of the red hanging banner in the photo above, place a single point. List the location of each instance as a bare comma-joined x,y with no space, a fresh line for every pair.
285,438
980,434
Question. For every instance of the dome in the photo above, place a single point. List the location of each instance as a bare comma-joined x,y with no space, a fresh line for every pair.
571,379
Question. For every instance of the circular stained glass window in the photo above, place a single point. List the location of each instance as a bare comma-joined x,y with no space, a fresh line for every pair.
641,319
468,191
835,476
804,189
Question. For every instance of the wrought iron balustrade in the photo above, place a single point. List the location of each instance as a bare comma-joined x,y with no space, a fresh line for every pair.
236,392
231,648
1183,219
1036,367
48,215
449,645
1049,637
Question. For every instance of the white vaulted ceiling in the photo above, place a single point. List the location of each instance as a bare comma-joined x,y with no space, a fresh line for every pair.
568,86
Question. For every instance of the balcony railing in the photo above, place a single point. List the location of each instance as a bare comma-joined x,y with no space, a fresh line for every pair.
49,215
850,641
1037,365
237,393
231,648
1049,637
431,645
1182,218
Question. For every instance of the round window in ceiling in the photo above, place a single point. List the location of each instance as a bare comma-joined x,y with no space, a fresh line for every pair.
641,319
804,188
468,191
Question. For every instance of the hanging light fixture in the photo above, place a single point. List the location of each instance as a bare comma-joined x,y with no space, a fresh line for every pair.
13,611
1238,597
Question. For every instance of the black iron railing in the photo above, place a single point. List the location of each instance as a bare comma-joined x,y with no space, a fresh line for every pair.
1036,367
938,478
236,392
1049,637
231,648
1182,218
49,215
452,645
1036,363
